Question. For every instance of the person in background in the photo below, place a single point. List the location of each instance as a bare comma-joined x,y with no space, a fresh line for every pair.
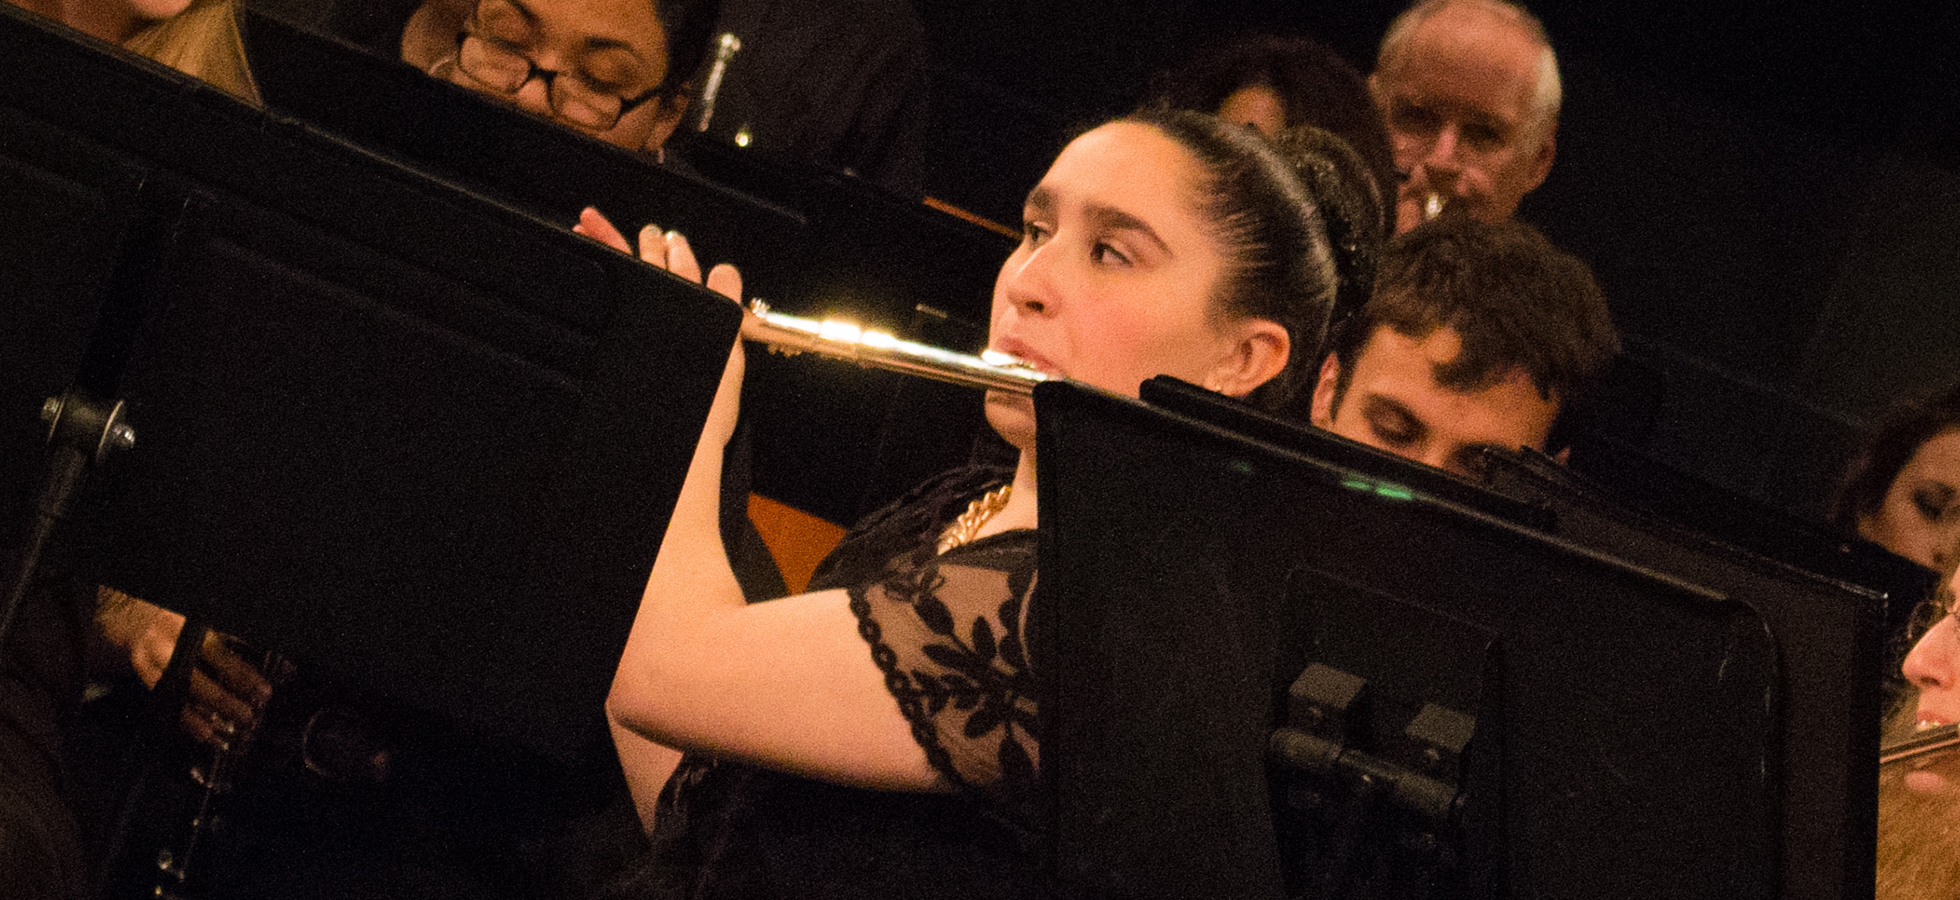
820,762
1903,490
1273,82
1919,797
202,41
618,70
1477,335
114,21
1471,93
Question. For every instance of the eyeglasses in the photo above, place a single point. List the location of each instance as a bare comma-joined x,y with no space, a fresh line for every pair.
503,67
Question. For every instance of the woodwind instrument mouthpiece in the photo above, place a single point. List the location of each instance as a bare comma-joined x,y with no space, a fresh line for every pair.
1432,205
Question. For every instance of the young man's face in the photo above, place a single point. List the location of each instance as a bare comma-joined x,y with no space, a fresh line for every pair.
1394,403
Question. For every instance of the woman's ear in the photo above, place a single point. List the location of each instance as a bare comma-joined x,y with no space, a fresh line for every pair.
431,31
1259,352
666,121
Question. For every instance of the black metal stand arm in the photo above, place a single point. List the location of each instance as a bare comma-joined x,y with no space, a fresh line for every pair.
82,433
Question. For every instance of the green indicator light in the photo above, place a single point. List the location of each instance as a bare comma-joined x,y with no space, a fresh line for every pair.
1358,484
1394,492
1240,467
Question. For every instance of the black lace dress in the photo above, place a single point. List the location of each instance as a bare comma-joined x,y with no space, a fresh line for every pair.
947,632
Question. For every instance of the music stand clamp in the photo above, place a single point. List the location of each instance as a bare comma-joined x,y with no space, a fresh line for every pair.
82,433
1407,793
1320,733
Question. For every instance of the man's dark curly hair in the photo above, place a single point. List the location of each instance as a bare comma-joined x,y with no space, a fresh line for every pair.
1516,301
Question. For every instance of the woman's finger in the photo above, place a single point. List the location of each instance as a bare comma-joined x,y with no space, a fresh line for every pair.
680,256
653,246
596,226
726,281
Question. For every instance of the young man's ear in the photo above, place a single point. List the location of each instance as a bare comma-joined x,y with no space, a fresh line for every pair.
1324,391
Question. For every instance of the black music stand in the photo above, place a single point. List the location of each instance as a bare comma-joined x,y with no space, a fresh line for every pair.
1187,399
833,442
400,434
1633,479
1634,733
1829,628
73,207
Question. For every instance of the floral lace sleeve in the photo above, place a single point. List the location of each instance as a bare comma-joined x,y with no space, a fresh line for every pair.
947,632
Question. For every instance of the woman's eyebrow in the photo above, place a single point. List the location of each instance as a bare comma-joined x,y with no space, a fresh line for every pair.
1114,219
591,41
1041,199
1103,216
530,18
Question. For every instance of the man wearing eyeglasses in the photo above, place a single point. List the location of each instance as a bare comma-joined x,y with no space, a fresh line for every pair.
603,67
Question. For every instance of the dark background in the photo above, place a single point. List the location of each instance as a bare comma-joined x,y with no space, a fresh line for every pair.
1767,191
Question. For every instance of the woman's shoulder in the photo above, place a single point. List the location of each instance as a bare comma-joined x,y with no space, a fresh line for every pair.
904,524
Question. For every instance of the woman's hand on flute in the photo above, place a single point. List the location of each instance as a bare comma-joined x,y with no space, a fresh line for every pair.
670,250
664,249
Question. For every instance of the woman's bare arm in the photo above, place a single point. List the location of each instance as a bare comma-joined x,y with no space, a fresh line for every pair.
787,684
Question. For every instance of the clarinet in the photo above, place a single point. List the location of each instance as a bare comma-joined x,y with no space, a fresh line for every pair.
213,779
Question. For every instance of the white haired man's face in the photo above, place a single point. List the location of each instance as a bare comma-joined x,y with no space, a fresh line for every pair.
1462,106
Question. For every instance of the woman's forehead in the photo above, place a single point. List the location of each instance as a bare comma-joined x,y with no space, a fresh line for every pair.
627,24
1129,166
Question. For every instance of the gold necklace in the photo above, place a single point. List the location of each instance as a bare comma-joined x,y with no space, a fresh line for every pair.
977,513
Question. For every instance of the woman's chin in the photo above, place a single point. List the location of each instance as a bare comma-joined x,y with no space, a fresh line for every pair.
1012,416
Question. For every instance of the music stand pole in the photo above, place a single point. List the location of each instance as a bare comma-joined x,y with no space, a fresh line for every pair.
82,433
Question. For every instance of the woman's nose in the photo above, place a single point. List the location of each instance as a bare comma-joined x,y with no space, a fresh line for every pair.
1030,281
1932,662
533,96
1945,535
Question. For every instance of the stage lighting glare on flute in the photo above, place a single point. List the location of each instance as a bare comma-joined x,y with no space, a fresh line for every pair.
879,350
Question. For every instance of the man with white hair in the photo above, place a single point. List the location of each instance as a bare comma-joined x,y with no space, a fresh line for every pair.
1470,91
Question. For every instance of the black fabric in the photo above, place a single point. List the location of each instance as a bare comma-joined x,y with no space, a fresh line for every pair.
375,25
838,84
40,690
727,830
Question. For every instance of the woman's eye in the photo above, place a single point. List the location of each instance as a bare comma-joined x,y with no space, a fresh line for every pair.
1933,502
1104,253
609,72
1033,232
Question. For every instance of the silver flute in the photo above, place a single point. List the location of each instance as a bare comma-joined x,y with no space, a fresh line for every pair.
879,350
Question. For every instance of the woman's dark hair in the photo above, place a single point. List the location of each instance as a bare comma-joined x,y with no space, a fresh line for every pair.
1898,437
1299,222
1314,84
690,26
